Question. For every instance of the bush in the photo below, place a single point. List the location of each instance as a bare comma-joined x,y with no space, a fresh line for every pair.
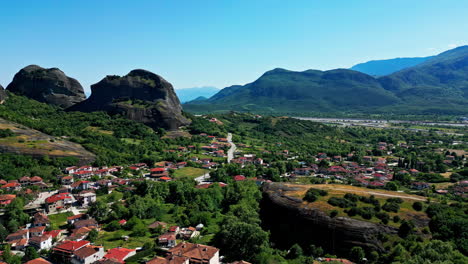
341,202
312,194
396,219
395,200
333,213
352,211
391,207
418,206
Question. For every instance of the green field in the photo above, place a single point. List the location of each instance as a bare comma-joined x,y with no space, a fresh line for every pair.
188,172
59,221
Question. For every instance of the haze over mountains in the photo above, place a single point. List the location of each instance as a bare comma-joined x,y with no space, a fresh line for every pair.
189,94
437,85
385,67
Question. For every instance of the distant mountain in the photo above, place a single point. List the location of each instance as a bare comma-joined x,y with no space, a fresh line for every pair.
281,90
50,86
189,94
140,95
439,85
385,67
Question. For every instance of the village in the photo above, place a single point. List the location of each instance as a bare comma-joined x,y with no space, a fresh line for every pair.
69,241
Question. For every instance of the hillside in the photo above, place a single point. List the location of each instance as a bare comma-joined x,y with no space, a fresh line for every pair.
386,67
436,86
281,90
26,141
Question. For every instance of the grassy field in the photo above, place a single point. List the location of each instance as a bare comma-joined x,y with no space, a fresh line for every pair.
59,221
336,190
188,172
115,239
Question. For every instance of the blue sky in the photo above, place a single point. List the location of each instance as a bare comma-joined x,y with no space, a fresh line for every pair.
220,43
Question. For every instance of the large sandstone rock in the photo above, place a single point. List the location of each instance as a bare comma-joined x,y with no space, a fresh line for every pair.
2,95
140,95
289,222
50,86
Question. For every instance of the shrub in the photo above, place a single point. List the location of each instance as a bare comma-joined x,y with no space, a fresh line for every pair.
333,213
391,207
418,206
312,194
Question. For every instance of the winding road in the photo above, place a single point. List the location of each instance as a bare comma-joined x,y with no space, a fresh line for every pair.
232,149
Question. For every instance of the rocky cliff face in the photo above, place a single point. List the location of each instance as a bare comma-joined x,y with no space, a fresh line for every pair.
2,95
290,222
140,95
50,86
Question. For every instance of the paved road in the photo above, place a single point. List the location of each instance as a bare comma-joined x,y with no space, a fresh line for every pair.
232,149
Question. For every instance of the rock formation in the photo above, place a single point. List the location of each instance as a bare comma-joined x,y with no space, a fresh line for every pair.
140,95
50,86
2,95
290,222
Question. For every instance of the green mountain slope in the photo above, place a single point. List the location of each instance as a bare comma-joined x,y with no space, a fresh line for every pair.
438,85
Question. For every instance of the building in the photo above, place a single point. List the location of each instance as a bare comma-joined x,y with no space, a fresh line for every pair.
74,218
41,242
196,253
167,240
119,254
6,199
169,260
38,261
36,231
65,251
86,197
40,219
88,254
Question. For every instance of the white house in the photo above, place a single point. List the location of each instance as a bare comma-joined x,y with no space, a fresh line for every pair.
41,242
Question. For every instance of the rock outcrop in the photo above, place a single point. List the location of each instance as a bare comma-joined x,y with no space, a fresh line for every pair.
50,86
141,96
290,222
2,95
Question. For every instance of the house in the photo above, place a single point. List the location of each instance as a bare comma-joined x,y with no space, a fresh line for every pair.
57,202
11,187
40,219
91,223
165,179
74,218
36,180
20,234
6,199
169,260
88,254
70,170
83,175
55,234
38,261
36,231
419,185
167,240
239,178
66,180
25,180
41,242
80,233
81,185
336,260
189,232
119,254
174,229
157,225
66,250
196,253
86,197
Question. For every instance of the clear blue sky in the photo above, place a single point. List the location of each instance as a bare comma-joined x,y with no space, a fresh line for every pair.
220,43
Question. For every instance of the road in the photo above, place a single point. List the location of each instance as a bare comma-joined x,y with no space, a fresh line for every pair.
203,179
232,149
383,194
40,199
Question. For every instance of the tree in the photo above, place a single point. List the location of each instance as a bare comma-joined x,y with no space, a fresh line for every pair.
30,254
93,235
357,254
418,206
295,252
406,228
99,210
392,186
3,232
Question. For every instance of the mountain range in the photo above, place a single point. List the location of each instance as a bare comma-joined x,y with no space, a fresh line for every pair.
385,67
437,85
189,94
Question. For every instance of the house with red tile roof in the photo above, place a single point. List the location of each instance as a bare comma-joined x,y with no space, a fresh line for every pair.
36,231
41,242
57,202
38,261
167,240
196,253
169,260
239,178
119,254
66,180
40,219
66,250
6,199
11,187
74,218
88,254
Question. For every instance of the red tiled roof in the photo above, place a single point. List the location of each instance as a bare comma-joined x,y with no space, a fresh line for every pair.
38,261
71,246
118,254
